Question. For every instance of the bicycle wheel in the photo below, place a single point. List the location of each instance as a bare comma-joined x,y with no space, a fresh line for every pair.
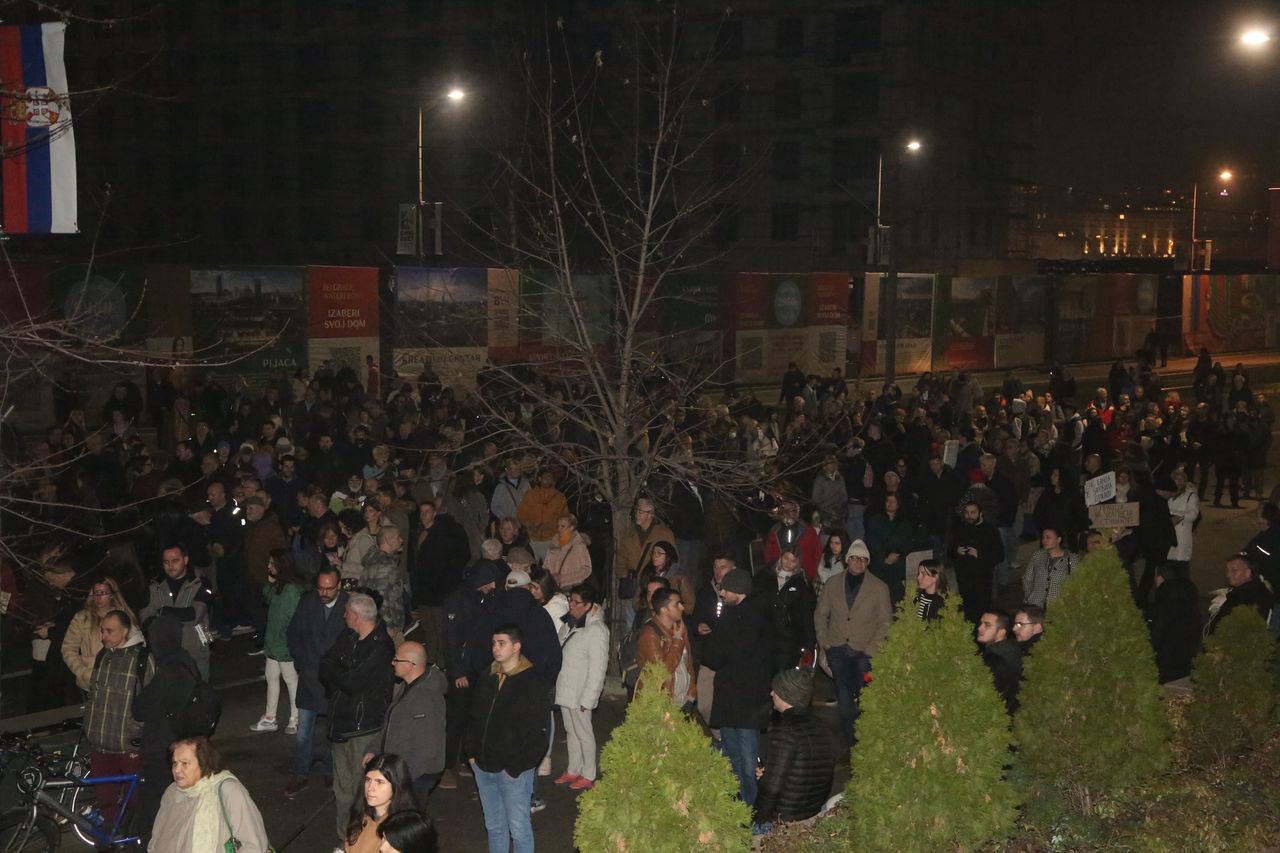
44,836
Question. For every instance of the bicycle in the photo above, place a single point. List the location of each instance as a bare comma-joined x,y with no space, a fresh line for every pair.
37,825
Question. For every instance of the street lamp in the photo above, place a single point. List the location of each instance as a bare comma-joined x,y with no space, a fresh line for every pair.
913,146
454,95
1225,177
1255,38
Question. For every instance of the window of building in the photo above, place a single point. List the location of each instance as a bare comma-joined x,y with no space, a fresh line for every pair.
788,99
855,32
854,97
785,160
724,232
853,158
728,103
785,222
788,36
727,159
729,40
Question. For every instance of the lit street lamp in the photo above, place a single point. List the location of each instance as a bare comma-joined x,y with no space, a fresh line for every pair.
1225,177
1255,38
454,95
913,146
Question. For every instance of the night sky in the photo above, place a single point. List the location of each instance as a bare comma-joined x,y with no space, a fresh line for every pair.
1143,92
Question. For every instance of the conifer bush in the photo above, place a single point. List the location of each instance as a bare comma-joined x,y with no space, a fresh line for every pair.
933,741
1091,720
663,789
1233,696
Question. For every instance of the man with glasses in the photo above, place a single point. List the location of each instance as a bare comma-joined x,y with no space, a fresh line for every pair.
1028,626
415,722
315,625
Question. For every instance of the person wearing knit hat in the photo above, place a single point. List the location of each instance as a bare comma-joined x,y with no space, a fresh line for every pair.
737,581
796,772
739,651
859,549
792,688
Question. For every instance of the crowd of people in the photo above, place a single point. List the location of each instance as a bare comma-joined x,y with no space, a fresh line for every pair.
439,596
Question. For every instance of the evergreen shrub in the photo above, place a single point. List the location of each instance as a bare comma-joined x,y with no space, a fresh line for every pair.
1091,721
663,789
1233,697
933,742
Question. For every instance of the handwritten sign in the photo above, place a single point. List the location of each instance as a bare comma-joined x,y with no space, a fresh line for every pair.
1104,516
950,452
1100,489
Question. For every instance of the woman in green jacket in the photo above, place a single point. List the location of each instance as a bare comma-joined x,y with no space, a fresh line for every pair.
889,541
282,591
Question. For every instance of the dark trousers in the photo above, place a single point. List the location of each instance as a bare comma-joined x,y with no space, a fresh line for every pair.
1231,474
849,669
109,796
422,788
975,593
457,707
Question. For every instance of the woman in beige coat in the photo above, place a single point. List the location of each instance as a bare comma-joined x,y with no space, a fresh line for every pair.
83,640
568,560
206,806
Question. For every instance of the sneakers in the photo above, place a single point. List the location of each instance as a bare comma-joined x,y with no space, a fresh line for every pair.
544,769
292,728
296,786
536,806
566,778
582,783
257,653
266,724
465,770
448,780
241,630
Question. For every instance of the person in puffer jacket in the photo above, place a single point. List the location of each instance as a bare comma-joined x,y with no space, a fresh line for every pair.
795,780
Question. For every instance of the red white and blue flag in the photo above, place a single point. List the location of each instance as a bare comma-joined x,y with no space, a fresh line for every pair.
36,140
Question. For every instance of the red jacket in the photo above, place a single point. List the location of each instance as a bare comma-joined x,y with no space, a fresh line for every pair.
808,546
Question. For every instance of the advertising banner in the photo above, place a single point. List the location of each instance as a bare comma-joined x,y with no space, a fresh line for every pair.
1022,309
969,330
504,311
1231,313
779,319
914,324
342,316
253,318
441,321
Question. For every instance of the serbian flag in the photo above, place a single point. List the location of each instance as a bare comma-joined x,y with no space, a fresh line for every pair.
36,141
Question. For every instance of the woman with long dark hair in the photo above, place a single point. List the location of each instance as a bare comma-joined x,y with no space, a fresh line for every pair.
387,788
282,591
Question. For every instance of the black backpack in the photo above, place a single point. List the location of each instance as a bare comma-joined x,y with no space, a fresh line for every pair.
200,712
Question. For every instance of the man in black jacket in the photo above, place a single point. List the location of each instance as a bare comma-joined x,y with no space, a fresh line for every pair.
507,738
939,489
739,651
439,559
795,779
315,625
975,551
468,621
356,674
1001,655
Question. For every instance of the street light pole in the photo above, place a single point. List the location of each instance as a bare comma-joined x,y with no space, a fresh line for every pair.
422,202
890,312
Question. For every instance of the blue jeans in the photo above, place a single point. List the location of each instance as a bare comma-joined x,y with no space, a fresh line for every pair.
848,668
302,749
506,808
743,748
854,525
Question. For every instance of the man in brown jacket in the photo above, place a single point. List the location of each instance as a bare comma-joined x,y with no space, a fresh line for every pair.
663,639
635,541
851,622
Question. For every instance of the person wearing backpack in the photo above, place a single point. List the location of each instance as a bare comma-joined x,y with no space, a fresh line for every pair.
159,707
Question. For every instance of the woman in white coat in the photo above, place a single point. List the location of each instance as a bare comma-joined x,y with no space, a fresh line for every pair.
584,638
1184,507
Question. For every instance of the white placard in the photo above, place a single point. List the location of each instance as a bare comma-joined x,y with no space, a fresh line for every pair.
950,452
1100,489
